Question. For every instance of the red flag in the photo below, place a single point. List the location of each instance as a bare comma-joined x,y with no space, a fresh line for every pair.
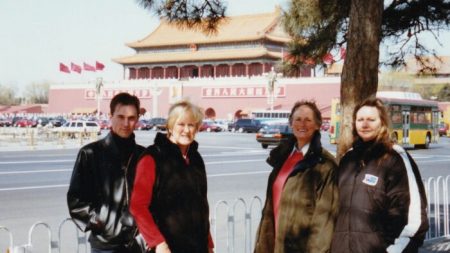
88,67
64,68
99,65
342,52
328,58
287,56
309,61
75,67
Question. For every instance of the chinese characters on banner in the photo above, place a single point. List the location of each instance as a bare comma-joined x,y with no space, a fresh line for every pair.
206,92
227,92
110,93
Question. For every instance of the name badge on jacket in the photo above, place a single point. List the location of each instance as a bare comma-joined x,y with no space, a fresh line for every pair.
370,180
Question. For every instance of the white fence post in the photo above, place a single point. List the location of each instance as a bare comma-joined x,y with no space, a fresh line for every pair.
11,241
29,246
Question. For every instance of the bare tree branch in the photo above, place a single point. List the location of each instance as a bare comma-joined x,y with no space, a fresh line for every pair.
204,15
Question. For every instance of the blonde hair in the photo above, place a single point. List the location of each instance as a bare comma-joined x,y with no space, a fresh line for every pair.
179,109
383,134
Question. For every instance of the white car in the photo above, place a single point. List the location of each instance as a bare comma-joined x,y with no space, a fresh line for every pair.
75,127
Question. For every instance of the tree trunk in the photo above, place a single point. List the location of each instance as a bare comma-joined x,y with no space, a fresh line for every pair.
360,72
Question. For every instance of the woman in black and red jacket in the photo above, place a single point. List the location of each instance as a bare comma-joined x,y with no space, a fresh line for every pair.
169,201
382,205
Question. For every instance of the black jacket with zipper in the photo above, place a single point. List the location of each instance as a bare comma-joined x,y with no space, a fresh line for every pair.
382,201
179,204
97,197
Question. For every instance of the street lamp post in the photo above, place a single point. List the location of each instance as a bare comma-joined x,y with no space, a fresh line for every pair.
98,88
272,77
155,91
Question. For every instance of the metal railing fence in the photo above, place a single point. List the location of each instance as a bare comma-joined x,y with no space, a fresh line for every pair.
228,238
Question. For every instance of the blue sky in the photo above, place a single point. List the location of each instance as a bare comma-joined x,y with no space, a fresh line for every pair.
36,35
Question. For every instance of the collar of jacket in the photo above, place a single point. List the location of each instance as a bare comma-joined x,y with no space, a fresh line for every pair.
163,142
368,150
279,154
120,146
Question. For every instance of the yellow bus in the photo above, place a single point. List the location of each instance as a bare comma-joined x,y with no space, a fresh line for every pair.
445,118
335,120
414,121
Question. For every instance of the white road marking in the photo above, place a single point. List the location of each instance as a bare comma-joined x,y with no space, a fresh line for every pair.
224,147
434,161
34,187
239,174
237,161
67,185
32,171
42,161
68,170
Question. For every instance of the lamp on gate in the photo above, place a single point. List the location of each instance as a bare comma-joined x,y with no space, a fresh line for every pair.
98,88
155,91
272,77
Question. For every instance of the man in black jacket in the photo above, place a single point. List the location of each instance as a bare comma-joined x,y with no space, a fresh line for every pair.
102,179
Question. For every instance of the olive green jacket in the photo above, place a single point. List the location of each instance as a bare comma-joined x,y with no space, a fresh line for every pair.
308,204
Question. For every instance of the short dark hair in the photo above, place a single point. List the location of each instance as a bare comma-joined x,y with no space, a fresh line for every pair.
312,105
124,98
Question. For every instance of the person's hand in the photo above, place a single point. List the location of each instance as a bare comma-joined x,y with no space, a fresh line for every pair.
210,250
162,248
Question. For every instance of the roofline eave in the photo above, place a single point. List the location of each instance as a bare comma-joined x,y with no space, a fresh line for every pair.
262,57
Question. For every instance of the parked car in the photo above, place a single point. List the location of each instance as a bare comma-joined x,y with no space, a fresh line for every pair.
443,128
57,121
158,123
15,119
222,123
5,122
273,134
24,122
143,125
75,128
42,121
104,124
325,126
245,125
209,126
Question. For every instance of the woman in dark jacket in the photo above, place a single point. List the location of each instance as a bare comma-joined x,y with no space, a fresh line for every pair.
382,199
301,201
169,201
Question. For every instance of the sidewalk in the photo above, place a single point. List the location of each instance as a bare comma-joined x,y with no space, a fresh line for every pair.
16,139
9,144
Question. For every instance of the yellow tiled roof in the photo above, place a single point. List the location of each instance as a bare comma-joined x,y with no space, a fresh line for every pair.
193,56
231,29
412,66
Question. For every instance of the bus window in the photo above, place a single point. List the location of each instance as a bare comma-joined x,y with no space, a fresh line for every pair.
396,117
420,117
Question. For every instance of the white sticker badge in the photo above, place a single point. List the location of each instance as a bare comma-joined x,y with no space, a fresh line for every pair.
370,180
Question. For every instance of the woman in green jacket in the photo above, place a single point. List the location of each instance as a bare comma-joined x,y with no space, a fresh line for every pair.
301,202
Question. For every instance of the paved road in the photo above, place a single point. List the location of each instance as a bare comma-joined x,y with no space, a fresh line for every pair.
33,184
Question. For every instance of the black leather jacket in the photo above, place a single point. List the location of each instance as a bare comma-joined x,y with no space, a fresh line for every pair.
97,196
